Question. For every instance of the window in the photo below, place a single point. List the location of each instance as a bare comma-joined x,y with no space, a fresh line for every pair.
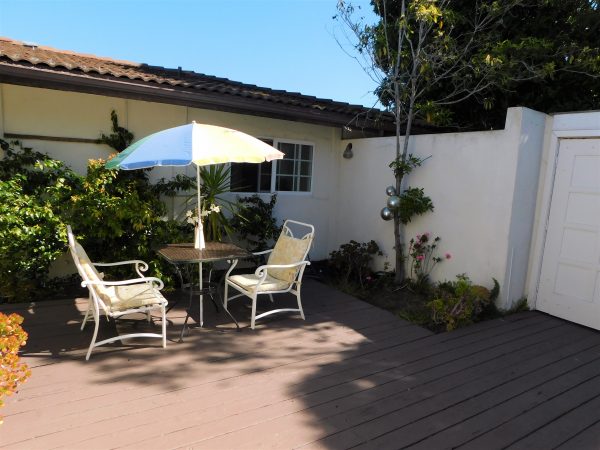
248,177
293,173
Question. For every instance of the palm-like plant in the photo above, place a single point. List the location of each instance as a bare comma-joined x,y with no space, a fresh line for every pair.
215,182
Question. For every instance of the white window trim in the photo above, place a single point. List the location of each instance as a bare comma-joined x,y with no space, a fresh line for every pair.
272,190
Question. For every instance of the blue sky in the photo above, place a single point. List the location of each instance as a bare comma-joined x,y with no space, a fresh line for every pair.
280,44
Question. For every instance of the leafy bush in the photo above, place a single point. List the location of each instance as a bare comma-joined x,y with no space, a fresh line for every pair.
520,305
255,223
116,214
413,202
120,138
352,262
34,190
423,258
459,303
12,372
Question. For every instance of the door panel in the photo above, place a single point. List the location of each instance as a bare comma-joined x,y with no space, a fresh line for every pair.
570,276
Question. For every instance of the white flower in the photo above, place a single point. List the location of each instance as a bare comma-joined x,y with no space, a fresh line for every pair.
192,215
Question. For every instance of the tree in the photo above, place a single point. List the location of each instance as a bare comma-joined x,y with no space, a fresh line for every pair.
561,38
545,53
448,62
427,56
436,59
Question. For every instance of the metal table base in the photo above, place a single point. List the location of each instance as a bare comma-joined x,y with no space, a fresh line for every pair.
187,256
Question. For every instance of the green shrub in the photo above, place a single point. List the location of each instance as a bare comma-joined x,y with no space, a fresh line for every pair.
120,138
352,262
115,214
459,303
255,222
119,217
423,257
34,191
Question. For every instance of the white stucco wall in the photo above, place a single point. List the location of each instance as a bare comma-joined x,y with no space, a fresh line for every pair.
43,112
483,186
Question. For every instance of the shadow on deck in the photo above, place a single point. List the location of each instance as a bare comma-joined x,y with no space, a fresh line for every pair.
351,375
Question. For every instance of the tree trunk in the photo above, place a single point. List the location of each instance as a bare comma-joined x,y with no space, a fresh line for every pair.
398,225
399,246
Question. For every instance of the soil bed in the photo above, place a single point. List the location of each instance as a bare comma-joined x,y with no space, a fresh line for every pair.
380,290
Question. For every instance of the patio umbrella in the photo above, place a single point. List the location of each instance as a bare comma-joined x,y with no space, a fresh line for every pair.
194,143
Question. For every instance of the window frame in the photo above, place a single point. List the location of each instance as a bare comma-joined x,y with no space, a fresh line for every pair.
272,190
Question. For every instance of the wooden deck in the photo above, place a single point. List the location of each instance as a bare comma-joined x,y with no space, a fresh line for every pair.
351,376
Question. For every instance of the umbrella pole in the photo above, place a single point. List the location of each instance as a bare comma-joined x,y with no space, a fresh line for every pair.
201,294
201,246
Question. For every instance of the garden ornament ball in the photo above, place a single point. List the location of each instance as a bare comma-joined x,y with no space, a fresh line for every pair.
393,202
387,214
390,190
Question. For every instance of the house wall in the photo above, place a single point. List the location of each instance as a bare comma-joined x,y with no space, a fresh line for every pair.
483,186
44,112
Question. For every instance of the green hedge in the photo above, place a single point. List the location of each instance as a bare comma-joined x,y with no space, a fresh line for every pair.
116,215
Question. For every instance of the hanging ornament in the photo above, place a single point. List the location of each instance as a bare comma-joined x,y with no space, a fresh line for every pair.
390,190
387,214
393,202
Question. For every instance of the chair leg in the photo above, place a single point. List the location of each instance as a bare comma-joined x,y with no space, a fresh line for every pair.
252,319
164,325
87,313
225,296
148,316
300,305
89,352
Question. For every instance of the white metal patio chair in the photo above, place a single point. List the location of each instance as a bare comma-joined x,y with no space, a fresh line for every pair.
282,273
118,298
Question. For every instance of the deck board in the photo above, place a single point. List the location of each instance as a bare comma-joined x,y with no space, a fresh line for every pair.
350,375
587,438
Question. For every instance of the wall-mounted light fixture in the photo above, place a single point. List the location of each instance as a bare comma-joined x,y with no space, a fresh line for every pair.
348,151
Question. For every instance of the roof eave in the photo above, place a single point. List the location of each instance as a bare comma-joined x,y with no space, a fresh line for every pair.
35,76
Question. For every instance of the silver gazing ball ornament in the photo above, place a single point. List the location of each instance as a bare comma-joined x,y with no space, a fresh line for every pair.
387,214
393,202
390,190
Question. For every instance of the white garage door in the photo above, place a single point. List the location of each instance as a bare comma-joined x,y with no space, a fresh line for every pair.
570,277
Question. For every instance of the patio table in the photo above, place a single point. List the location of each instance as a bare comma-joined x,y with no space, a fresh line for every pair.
186,254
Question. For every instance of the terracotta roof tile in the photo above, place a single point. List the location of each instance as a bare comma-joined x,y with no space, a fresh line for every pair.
26,54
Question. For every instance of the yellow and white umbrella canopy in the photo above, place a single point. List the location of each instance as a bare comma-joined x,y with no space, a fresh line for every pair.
194,143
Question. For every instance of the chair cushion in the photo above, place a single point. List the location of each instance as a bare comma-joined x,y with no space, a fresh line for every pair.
287,250
250,281
92,274
133,296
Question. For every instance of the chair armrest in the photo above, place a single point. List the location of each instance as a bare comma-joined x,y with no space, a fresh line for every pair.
264,252
263,269
140,266
153,280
